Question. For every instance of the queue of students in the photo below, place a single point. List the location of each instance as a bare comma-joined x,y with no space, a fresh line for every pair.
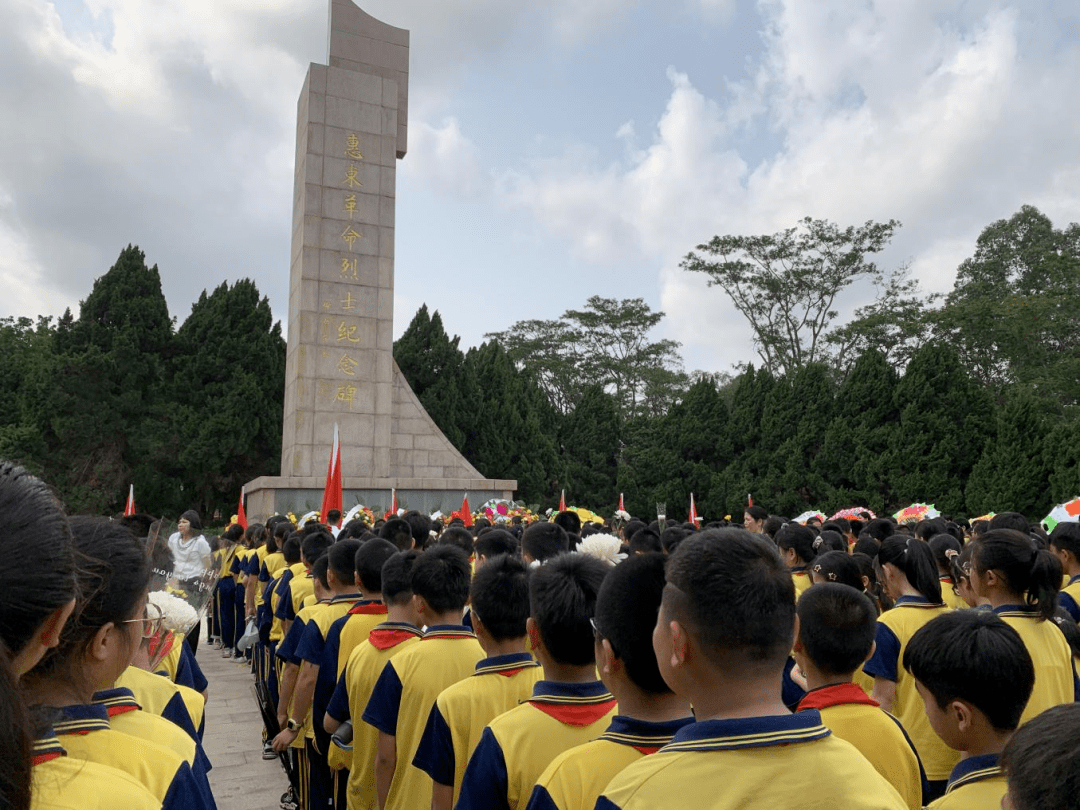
716,668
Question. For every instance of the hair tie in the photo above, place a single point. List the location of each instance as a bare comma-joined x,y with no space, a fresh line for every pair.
950,553
818,542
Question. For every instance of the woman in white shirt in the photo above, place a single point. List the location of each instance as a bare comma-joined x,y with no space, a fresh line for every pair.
191,560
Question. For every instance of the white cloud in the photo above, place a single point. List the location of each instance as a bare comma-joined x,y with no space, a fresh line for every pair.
444,160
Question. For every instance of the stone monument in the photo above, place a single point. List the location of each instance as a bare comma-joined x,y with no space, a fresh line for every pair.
352,128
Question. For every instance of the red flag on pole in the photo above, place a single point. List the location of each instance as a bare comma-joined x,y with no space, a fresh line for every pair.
331,498
749,499
241,516
562,501
466,512
129,507
621,507
693,518
392,511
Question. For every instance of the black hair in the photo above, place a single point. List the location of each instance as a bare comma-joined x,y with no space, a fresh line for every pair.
672,536
874,589
314,545
354,528
1041,761
837,625
799,538
568,521
773,524
494,542
626,610
1066,537
368,562
460,537
1028,571
1069,628
254,533
941,545
419,527
192,517
343,560
879,528
915,559
829,540
837,566
855,525
562,600
647,540
441,576
842,525
398,532
633,526
15,738
319,569
737,597
542,541
282,528
1010,520
756,512
952,655
139,523
291,550
397,577
233,533
113,575
930,527
500,596
333,516
866,545
38,573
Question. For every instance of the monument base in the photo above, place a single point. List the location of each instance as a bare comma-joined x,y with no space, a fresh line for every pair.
267,495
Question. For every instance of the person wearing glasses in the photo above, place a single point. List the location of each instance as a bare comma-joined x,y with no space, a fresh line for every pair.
96,646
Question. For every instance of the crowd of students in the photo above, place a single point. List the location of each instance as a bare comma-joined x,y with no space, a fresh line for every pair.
856,664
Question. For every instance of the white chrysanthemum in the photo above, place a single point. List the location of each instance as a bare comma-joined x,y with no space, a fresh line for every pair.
604,547
177,615
621,515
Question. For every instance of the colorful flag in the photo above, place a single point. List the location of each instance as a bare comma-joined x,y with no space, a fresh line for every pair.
241,516
129,507
331,498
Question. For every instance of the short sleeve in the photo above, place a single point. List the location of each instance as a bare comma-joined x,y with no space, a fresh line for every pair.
385,701
338,707
287,648
484,785
184,792
188,671
176,712
1066,601
885,661
235,568
310,646
541,800
604,803
284,610
264,573
435,753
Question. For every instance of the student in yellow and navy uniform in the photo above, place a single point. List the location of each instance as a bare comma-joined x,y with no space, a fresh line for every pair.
950,658
412,680
95,649
317,677
1021,583
181,667
796,545
911,581
724,653
1040,762
945,547
650,713
569,707
837,624
834,566
179,705
238,569
1065,545
399,632
61,782
502,680
299,586
226,588
291,552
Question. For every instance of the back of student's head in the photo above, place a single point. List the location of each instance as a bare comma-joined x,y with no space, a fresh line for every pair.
1027,570
458,536
569,521
1042,760
1010,520
626,610
396,577
973,656
398,532
633,526
368,562
829,541
419,527
930,527
319,569
841,525
773,524
233,533
441,576
342,557
542,541
879,528
37,564
916,561
494,542
254,534
944,547
333,516
799,538
283,527
314,545
647,540
866,545
1066,537
139,523
837,624
672,536
562,600
733,593
837,566
291,550
499,596
354,528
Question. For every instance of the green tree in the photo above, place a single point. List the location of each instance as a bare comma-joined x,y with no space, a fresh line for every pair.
432,363
1061,455
26,362
746,471
589,445
785,284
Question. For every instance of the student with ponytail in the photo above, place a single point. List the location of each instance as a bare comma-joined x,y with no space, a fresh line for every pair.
945,547
1021,583
910,577
797,550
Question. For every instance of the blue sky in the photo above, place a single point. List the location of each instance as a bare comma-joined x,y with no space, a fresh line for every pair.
557,150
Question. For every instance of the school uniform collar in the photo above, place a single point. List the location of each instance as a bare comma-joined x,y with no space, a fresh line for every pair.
506,665
973,769
82,719
1073,580
47,747
117,701
750,732
1014,611
368,607
798,569
915,602
835,694
390,634
646,737
344,597
573,704
448,631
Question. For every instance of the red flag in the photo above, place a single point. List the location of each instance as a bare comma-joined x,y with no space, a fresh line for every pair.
241,516
129,507
466,512
392,511
693,518
562,501
749,499
331,497
621,507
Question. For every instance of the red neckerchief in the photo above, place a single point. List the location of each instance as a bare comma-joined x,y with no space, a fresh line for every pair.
386,637
368,608
836,694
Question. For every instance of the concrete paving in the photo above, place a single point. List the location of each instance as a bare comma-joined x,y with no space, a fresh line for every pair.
241,779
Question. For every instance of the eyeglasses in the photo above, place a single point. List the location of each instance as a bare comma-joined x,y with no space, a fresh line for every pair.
151,620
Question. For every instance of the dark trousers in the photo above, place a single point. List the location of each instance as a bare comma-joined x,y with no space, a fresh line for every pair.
320,780
226,600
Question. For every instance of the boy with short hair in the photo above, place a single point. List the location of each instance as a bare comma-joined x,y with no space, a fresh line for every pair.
493,542
543,541
975,675
569,707
649,712
837,625
1042,761
410,682
500,610
1065,545
722,638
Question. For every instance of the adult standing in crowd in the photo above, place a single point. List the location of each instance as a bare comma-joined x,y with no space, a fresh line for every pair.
191,560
